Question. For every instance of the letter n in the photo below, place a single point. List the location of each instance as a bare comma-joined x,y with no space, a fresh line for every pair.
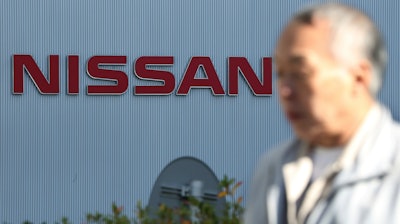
263,88
26,63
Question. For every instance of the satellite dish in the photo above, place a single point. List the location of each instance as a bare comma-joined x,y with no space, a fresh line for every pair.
186,177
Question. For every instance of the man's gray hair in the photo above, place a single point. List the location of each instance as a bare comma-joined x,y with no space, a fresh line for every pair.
356,31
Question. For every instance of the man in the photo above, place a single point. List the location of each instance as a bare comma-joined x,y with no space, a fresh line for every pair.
344,165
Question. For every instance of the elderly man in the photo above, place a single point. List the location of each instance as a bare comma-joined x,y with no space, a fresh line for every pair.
344,165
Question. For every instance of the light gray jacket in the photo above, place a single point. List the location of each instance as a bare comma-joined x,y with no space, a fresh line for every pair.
362,186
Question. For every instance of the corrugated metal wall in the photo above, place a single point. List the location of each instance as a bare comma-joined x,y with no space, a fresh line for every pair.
68,155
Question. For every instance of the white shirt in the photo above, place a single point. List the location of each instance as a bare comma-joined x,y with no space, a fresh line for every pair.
322,158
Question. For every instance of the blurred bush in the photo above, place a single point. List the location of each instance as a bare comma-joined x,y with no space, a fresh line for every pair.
204,212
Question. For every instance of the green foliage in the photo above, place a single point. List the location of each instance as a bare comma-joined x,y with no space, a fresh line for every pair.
115,218
233,210
204,212
64,220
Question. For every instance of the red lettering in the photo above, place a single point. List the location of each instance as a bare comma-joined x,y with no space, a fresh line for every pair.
142,68
26,62
119,77
189,80
241,64
73,74
167,78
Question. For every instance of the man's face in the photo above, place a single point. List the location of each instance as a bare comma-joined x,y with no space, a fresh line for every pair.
315,89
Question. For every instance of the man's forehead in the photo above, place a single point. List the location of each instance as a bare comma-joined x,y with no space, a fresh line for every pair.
294,30
299,42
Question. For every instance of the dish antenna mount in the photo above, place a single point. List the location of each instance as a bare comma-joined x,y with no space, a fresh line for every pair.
183,178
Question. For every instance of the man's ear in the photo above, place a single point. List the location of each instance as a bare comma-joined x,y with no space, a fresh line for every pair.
362,75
